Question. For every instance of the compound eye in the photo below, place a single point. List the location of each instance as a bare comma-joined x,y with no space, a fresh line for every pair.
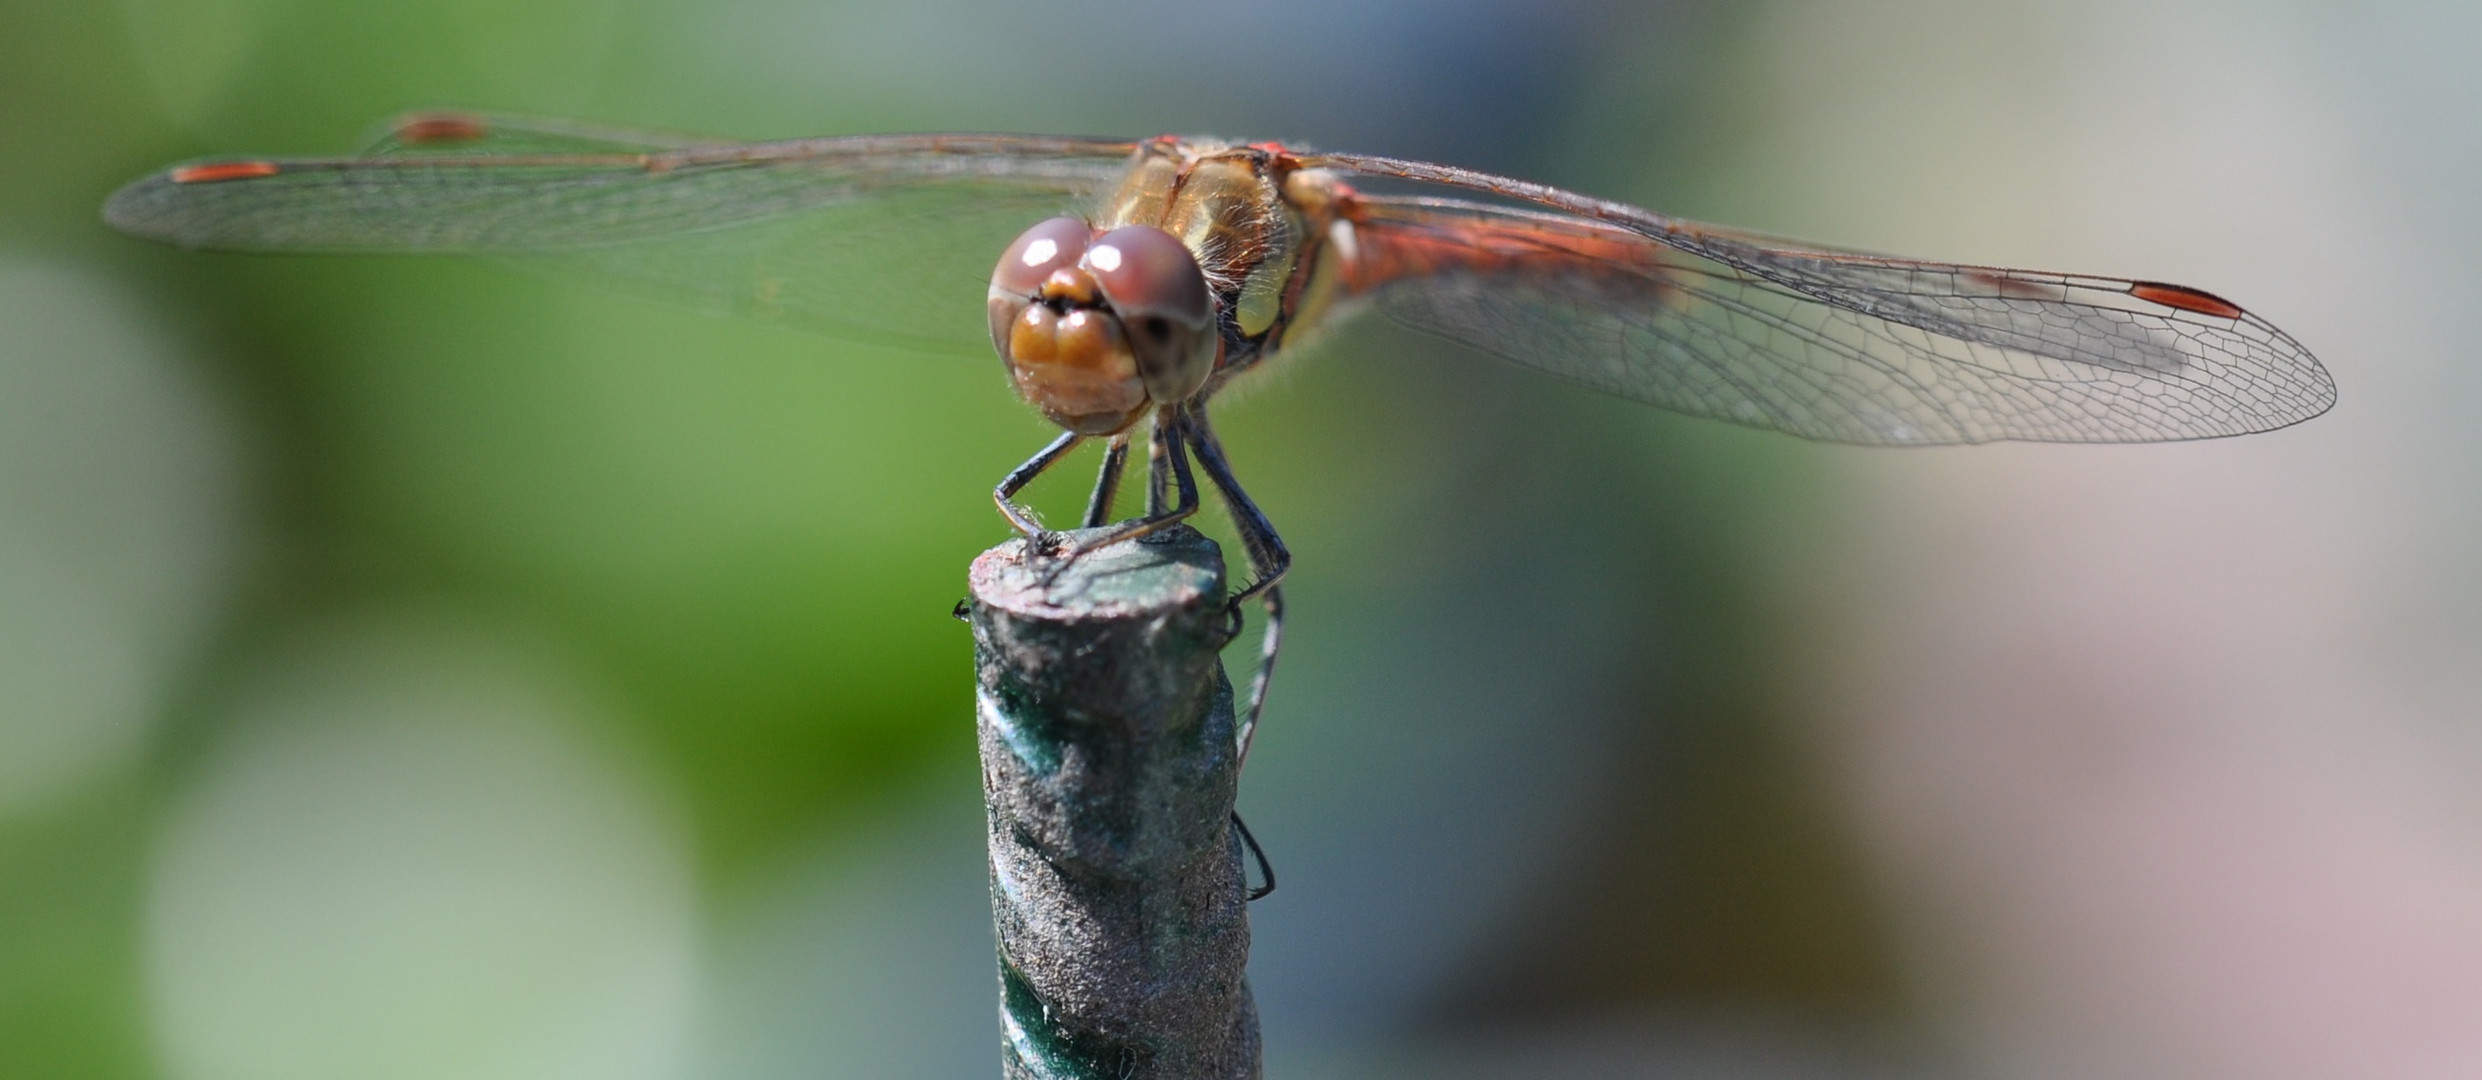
1154,284
1145,272
1048,246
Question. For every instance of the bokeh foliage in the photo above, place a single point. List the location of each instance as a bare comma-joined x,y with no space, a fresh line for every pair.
747,539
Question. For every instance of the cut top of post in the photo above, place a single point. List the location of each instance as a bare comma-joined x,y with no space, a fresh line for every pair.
1171,570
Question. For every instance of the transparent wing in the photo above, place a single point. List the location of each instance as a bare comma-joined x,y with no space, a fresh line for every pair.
885,237
1819,342
906,267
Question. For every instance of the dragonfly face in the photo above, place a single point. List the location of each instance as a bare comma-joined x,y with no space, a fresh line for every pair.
1095,328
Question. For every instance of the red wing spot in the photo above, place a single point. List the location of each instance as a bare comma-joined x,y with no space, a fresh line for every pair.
223,170
441,128
2186,299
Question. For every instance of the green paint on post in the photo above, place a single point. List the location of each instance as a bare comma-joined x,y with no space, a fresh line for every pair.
1034,1042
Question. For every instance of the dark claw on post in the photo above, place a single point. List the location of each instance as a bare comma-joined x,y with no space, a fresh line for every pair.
1266,869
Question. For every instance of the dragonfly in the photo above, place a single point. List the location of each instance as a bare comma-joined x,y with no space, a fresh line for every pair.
1146,275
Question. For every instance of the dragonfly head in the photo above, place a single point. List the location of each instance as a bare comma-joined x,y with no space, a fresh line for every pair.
1096,327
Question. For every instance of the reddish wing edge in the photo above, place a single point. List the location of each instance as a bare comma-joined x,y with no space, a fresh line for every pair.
550,185
1670,229
790,150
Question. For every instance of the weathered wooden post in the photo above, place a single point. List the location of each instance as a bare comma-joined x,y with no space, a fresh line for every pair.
1109,772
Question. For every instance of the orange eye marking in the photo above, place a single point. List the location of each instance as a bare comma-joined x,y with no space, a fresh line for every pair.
2186,299
223,170
444,128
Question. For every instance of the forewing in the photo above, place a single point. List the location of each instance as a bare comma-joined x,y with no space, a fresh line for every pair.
906,267
885,237
1834,345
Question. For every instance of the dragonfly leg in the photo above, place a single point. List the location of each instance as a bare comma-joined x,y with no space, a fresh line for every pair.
1158,471
1165,456
1019,477
1269,560
1107,483
1266,870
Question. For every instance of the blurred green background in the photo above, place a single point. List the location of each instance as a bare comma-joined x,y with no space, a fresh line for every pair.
416,668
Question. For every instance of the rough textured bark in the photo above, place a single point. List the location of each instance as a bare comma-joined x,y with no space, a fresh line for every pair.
1109,771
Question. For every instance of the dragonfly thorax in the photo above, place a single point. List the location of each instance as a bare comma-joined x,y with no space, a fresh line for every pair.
1094,328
